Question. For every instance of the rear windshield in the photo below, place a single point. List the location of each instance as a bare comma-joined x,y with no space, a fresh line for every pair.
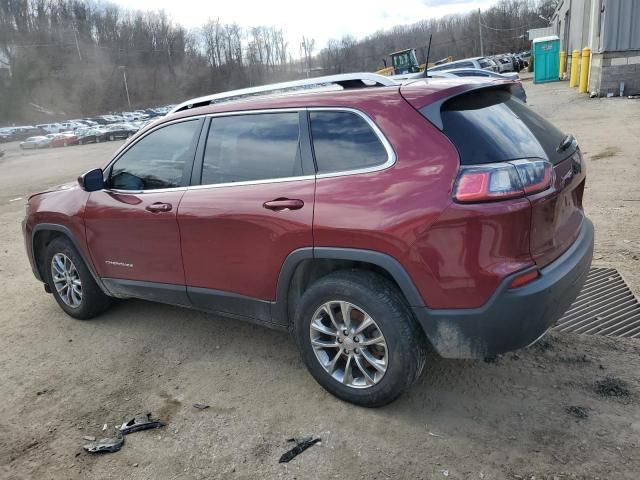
490,126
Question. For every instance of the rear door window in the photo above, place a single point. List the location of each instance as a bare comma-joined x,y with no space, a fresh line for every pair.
344,141
243,148
490,126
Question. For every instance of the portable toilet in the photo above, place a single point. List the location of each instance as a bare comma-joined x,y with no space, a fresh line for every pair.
546,59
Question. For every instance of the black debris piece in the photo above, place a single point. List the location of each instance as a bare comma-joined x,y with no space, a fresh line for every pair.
140,422
578,412
105,444
301,445
200,406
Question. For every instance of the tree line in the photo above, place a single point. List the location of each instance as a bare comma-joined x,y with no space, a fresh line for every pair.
68,58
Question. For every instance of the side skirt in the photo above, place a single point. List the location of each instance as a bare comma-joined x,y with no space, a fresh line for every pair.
203,299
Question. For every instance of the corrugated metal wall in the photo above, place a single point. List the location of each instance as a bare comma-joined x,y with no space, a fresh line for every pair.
621,25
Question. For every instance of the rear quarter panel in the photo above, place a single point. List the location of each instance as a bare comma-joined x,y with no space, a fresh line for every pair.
390,210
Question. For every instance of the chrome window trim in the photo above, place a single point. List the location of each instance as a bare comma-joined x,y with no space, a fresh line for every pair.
142,192
251,182
391,155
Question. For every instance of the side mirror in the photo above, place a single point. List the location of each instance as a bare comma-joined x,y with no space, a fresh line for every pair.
92,181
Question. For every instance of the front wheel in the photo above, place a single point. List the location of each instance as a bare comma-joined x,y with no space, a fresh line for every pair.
71,282
358,338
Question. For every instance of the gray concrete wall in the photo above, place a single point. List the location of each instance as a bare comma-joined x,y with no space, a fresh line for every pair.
608,69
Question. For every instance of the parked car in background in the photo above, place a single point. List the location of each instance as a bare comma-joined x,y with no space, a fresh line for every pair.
24,132
526,56
494,65
504,64
475,62
120,130
40,141
515,62
98,121
375,224
50,127
64,139
5,134
93,135
517,90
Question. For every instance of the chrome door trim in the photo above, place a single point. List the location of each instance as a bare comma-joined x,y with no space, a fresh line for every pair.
391,156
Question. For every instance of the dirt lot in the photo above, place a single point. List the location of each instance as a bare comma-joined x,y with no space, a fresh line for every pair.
61,379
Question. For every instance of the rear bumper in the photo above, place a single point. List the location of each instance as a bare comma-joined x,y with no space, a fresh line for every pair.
515,318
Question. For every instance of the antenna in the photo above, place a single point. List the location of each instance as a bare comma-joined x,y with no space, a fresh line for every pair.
426,62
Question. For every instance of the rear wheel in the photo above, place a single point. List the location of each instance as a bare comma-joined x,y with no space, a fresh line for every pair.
358,338
71,282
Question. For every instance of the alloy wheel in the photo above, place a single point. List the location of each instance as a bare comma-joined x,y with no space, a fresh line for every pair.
349,344
66,280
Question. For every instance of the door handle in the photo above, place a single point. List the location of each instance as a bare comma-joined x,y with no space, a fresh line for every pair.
281,204
159,207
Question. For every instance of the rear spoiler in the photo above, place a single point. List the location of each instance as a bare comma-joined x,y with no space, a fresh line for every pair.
431,109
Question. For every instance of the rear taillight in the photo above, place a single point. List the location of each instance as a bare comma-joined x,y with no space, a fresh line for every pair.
499,181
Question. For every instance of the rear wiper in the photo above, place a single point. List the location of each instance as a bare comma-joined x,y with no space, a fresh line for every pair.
566,142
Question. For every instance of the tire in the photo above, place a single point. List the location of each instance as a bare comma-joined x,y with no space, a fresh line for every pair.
93,301
404,351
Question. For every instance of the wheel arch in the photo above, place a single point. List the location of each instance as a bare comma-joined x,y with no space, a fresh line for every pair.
304,266
43,234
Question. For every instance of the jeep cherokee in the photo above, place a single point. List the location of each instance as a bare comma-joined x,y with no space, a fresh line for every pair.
370,219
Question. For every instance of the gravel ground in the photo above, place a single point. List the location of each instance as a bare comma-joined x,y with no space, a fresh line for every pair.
567,408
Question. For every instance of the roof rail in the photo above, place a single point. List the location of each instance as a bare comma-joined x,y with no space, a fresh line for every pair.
346,80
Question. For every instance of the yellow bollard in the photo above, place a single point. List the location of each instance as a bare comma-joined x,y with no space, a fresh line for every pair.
584,70
573,78
563,63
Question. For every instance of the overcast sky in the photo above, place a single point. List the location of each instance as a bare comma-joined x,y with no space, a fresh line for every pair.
319,19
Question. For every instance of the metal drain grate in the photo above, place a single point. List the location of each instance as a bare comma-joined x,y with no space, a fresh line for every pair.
606,306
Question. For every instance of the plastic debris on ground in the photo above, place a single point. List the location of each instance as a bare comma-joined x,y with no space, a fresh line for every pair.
140,422
105,444
301,445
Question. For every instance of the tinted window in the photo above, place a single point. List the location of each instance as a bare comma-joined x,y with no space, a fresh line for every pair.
157,160
344,141
490,126
252,147
484,63
479,73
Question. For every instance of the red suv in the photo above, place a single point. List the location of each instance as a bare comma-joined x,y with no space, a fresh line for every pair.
370,221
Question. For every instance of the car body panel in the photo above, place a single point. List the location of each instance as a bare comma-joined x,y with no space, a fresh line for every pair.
232,243
127,241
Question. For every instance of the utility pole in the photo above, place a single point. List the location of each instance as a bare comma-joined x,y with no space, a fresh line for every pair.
480,29
126,87
75,35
